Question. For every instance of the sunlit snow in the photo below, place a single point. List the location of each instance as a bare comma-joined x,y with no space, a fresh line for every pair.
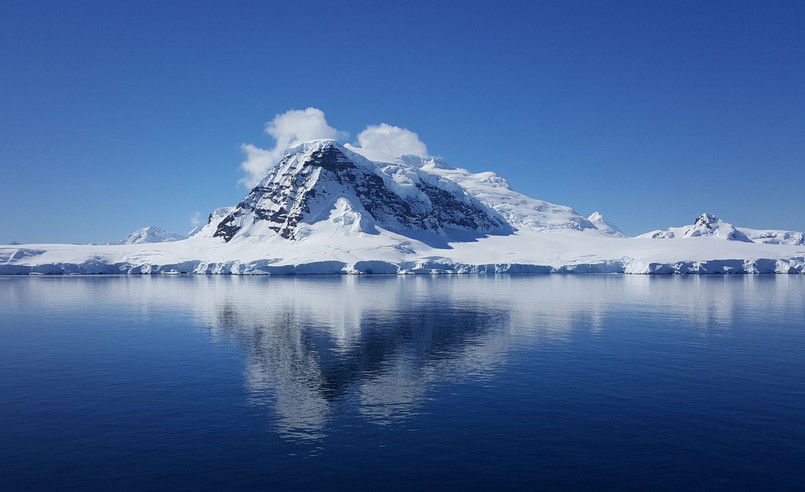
329,208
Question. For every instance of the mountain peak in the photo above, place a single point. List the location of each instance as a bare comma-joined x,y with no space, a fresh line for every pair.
603,224
707,221
709,225
311,145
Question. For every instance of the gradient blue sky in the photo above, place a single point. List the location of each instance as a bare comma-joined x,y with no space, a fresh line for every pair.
119,115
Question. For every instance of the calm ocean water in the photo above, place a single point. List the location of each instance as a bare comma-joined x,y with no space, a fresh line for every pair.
384,383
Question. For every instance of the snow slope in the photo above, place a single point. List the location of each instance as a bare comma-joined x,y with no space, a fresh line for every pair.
327,208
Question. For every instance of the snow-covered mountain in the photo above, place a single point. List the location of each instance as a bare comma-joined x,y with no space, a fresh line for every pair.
706,225
331,208
323,181
151,235
602,224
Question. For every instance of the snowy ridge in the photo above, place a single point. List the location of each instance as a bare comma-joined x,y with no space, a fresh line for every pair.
489,189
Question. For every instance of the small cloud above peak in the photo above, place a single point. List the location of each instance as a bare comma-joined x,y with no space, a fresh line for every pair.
391,140
299,125
287,129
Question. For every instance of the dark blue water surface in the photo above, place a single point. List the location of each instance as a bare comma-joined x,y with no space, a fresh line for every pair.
359,383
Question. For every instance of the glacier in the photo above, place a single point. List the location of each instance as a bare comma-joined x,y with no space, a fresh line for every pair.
328,208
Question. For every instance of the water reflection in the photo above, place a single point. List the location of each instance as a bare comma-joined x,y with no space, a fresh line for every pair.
319,345
374,347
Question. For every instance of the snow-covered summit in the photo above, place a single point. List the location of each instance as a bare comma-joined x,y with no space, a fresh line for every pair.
602,224
350,190
151,235
706,225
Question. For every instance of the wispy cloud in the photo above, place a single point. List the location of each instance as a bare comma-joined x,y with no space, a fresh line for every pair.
391,140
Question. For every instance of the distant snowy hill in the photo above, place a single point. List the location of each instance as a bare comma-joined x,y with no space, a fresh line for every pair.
151,235
602,224
330,208
706,225
774,236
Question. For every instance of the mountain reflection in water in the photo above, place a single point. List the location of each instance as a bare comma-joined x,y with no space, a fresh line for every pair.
364,346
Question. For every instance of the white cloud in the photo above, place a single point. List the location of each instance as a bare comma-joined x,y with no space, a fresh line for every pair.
196,219
391,140
299,125
288,129
258,162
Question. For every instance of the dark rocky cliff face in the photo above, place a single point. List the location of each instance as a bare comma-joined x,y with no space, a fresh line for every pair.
304,192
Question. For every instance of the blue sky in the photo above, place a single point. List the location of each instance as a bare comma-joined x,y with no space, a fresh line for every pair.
119,115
